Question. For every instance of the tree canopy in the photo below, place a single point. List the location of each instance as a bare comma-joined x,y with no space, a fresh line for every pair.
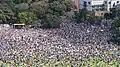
42,8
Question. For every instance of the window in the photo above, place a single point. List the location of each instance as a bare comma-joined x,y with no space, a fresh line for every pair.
85,4
103,5
117,1
89,3
105,2
109,2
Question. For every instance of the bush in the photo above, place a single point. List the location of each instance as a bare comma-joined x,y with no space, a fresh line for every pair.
108,16
51,21
84,15
42,8
80,15
27,17
50,11
22,7
57,8
91,18
39,8
77,16
115,13
116,35
68,4
20,1
6,14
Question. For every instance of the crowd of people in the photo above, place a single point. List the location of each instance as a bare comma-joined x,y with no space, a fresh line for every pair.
78,40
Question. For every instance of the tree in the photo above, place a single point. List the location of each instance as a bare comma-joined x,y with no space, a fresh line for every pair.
57,8
22,7
80,15
116,36
20,1
6,14
85,4
51,21
108,16
27,18
39,8
68,4
42,8
49,11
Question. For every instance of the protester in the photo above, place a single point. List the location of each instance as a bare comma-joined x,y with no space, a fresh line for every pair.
71,39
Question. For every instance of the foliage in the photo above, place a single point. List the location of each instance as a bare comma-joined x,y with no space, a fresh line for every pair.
93,62
39,8
97,62
51,21
115,12
68,4
108,16
6,13
91,17
47,10
27,17
116,35
22,7
80,15
84,15
58,8
20,1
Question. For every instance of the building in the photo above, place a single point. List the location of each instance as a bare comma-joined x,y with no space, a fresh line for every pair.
106,4
86,4
117,6
99,6
103,6
112,3
79,4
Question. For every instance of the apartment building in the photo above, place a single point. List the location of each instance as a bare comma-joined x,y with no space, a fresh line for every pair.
94,4
104,4
99,6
